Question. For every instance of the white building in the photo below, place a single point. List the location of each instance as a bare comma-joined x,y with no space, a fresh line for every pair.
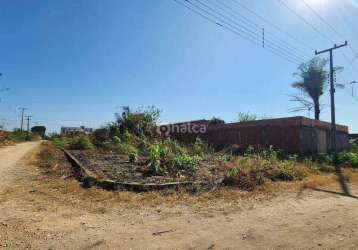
75,130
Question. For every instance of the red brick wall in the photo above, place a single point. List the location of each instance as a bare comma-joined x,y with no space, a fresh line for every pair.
282,133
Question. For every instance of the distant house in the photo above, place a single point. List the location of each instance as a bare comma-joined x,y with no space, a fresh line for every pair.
297,135
75,130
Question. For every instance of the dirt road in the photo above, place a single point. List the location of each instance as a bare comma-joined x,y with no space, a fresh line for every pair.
9,157
41,212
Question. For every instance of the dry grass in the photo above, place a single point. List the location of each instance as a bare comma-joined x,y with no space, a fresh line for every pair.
64,190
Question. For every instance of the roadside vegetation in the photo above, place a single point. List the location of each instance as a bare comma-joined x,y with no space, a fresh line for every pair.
132,144
17,136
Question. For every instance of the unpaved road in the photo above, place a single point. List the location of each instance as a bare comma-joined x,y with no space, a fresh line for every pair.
42,212
9,157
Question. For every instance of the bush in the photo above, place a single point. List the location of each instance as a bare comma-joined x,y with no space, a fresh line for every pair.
348,158
270,153
286,171
132,154
283,174
199,147
185,162
243,178
141,122
250,150
17,136
100,136
58,142
154,151
81,142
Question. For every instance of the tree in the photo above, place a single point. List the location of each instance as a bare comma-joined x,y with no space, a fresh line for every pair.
140,122
246,117
312,83
216,120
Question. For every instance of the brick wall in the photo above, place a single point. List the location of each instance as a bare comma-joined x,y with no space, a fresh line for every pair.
293,135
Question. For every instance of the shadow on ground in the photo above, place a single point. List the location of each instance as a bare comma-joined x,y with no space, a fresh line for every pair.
343,185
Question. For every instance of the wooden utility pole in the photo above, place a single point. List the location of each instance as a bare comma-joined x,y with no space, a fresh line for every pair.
332,90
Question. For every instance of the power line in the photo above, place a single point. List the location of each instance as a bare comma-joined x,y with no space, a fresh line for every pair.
278,28
288,52
331,27
305,20
274,40
315,29
239,32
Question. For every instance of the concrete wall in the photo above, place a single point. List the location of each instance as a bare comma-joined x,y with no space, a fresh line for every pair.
318,141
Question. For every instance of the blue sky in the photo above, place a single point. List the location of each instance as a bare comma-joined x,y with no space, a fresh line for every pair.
77,62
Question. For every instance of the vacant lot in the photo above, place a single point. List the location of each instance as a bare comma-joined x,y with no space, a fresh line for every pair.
42,211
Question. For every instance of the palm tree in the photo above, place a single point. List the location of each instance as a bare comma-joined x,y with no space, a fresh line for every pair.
312,84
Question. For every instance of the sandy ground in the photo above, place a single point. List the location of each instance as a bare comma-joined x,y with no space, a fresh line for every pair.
40,212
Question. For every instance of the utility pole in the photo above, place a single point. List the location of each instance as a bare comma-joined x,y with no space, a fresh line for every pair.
28,117
332,90
22,118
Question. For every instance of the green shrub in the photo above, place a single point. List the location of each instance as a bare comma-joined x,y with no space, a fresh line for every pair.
243,178
270,153
141,122
199,147
17,136
132,154
250,150
286,171
185,162
116,140
58,142
154,151
80,142
348,158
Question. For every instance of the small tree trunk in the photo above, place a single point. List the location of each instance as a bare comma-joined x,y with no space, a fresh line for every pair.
317,110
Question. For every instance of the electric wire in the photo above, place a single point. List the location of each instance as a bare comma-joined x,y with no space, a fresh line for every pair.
243,33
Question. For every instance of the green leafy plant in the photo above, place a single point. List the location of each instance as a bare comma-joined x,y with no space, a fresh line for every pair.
185,162
132,155
58,142
199,147
81,142
250,150
243,178
141,122
270,153
348,158
17,136
154,151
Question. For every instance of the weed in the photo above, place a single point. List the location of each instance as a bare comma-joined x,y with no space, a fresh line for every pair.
58,142
132,154
185,162
80,142
154,157
349,159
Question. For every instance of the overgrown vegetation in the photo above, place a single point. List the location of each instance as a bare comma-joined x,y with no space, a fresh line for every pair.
133,136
